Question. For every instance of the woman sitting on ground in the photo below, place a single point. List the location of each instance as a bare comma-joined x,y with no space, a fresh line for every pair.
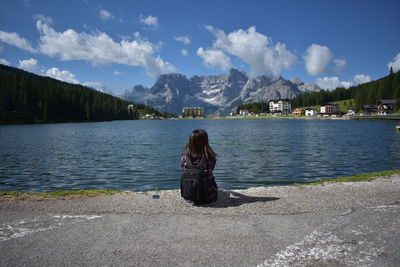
197,151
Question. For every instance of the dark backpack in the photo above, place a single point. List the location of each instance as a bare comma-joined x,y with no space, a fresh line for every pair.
193,182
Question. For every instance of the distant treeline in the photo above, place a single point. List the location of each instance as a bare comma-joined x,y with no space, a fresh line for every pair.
256,107
27,97
364,94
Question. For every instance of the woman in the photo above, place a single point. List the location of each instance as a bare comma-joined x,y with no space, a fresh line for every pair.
197,151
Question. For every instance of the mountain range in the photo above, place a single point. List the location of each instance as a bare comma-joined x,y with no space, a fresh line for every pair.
218,94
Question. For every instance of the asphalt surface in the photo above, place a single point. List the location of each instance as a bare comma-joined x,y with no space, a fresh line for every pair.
342,224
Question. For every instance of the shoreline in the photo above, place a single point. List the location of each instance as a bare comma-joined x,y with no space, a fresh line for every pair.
384,190
265,117
396,117
338,223
282,117
6,195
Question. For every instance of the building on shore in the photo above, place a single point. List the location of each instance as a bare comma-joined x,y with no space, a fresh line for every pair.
351,112
192,112
310,112
370,109
244,112
281,106
386,106
329,110
298,112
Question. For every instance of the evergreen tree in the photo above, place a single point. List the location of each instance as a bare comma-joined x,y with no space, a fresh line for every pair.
27,97
368,93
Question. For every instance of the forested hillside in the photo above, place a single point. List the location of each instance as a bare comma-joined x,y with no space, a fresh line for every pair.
368,93
27,97
256,107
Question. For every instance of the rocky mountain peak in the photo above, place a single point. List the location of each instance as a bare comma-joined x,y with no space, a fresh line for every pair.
170,78
218,94
235,75
297,81
140,87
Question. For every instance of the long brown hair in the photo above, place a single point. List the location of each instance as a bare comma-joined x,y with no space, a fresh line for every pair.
198,146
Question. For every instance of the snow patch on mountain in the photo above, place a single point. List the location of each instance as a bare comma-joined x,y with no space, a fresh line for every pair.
218,94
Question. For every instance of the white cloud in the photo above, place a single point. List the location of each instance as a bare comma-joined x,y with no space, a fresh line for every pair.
14,39
150,21
62,75
99,86
27,3
317,59
331,83
395,63
95,85
184,52
254,48
105,14
209,28
31,65
117,72
183,39
361,78
214,58
47,20
4,61
346,84
99,48
340,64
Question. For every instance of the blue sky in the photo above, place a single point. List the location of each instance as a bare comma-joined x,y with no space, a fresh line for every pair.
119,44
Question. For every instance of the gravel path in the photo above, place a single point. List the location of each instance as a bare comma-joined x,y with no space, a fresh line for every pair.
255,201
338,224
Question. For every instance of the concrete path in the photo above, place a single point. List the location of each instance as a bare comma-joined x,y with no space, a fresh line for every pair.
342,224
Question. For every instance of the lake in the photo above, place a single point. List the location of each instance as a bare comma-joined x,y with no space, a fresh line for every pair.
144,155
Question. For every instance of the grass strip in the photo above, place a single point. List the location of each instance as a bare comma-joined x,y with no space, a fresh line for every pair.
67,194
355,178
80,194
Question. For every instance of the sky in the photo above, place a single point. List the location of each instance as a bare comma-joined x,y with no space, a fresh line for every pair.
119,44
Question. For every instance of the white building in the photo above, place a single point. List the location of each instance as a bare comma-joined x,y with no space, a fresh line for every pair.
244,112
282,106
193,112
329,109
351,112
310,112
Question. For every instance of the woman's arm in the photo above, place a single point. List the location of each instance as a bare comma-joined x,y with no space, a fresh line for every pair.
183,160
210,164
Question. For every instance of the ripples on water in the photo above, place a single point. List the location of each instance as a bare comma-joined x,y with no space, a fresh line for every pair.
144,155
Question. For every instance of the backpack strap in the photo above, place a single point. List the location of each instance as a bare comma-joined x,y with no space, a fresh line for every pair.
202,163
199,165
189,163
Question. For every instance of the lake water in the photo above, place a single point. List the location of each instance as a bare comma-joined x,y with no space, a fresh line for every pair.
144,155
